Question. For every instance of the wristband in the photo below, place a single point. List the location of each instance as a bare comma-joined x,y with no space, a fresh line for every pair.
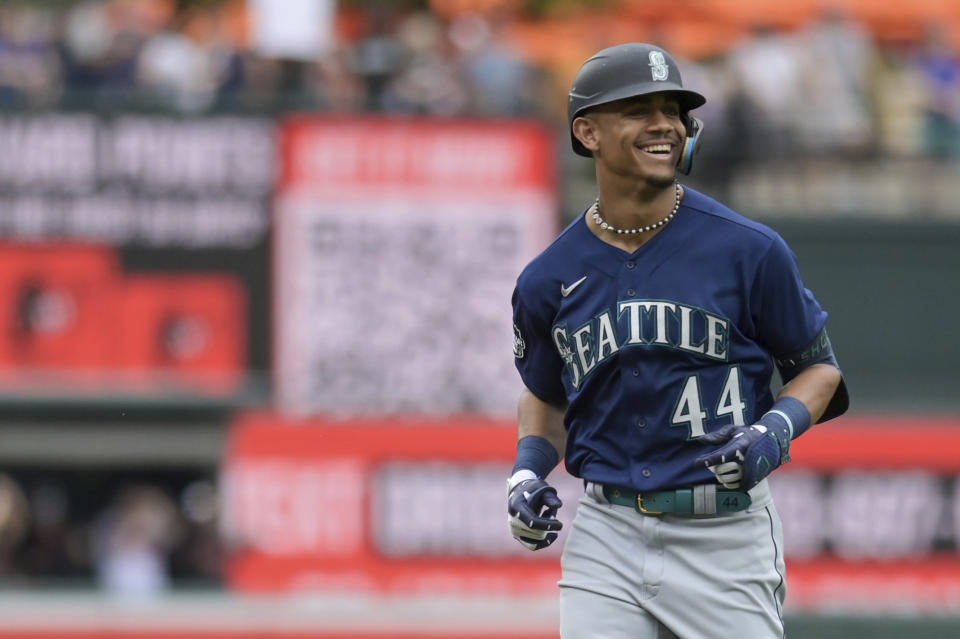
536,454
519,476
789,413
787,419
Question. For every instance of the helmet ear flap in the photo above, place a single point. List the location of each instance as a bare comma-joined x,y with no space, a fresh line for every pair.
694,127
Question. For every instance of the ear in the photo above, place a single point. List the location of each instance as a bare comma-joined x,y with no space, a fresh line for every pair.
585,130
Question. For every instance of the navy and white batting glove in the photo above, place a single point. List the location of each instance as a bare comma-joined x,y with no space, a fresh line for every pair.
746,456
532,506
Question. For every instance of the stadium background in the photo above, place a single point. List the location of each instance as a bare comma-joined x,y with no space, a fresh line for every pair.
255,370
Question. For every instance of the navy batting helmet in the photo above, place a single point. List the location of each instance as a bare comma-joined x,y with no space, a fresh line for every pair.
626,71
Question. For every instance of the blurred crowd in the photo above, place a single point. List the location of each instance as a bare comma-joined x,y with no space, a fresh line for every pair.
828,86
832,88
133,537
195,57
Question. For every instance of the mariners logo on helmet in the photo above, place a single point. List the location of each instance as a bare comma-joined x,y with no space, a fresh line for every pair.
658,66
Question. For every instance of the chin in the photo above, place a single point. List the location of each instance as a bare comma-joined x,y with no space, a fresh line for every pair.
661,181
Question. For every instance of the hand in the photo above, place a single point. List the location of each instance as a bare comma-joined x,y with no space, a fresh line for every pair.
532,506
748,454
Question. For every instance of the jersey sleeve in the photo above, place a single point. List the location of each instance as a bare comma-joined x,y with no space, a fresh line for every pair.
537,361
787,315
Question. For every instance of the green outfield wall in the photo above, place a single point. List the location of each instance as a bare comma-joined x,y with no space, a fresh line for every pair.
893,294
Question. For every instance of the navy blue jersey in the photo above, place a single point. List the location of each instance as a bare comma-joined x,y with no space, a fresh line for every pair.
654,348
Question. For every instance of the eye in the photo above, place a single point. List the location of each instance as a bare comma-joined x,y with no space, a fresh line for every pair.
671,110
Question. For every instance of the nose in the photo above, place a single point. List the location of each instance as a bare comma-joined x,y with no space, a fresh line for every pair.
659,122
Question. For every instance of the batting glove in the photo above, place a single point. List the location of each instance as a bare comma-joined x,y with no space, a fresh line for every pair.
747,455
532,506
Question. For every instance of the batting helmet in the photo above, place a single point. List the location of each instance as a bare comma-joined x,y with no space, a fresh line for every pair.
626,71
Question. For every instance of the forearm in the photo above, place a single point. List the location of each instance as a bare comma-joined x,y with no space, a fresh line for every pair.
814,388
541,436
537,417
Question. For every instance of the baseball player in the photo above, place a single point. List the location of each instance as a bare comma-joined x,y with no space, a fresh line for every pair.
646,336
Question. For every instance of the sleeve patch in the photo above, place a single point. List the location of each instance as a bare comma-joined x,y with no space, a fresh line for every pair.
519,345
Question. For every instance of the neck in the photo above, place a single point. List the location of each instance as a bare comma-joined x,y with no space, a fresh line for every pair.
638,206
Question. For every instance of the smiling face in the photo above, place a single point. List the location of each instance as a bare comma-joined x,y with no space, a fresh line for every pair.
639,137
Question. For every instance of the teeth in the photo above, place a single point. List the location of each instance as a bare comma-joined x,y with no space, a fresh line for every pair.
657,148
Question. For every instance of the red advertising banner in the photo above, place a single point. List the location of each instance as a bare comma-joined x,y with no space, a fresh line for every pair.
384,506
412,153
396,249
72,320
407,506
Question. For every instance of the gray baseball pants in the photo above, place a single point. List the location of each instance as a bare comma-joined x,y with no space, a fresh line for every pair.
627,575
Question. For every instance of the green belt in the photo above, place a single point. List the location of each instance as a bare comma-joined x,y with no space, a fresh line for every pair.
700,500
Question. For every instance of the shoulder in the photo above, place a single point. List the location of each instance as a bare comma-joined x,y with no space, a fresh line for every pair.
723,220
755,246
544,272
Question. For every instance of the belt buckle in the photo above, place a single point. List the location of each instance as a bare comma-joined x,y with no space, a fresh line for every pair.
644,510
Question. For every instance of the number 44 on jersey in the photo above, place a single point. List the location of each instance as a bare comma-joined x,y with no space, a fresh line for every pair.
689,410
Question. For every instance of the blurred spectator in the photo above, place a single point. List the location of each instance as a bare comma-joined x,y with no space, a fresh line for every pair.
57,546
377,57
766,71
199,555
898,97
335,86
14,522
429,82
30,71
184,66
499,81
836,57
939,68
102,40
133,540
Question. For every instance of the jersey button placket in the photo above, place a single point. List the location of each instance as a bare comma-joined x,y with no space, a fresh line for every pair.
630,292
